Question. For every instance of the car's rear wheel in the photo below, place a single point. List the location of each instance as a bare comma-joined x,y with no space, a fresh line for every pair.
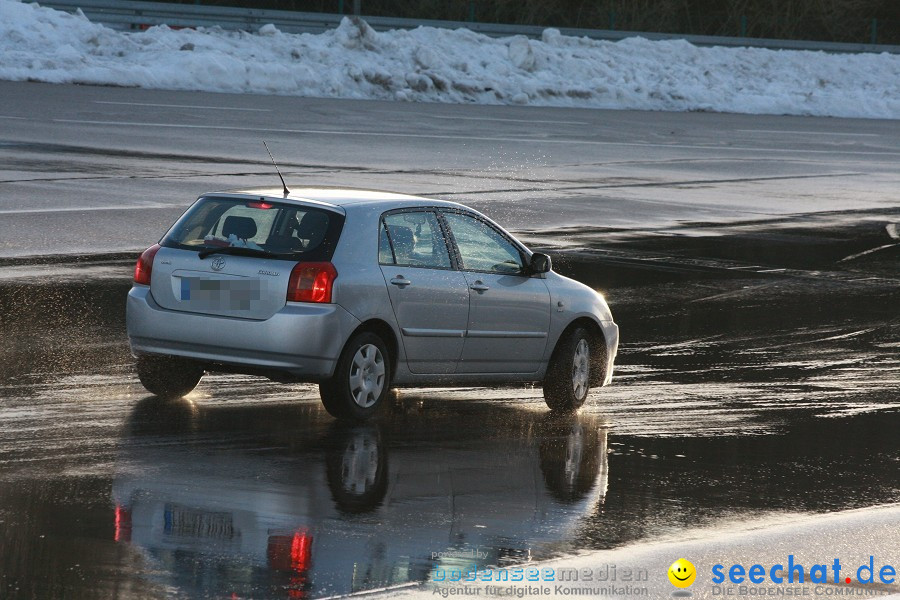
356,467
168,376
361,380
568,378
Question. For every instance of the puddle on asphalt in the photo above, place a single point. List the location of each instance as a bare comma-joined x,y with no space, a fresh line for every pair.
744,389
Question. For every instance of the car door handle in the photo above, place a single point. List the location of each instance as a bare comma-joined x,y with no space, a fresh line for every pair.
479,287
400,281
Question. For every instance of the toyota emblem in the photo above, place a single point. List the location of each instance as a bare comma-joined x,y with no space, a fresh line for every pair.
218,263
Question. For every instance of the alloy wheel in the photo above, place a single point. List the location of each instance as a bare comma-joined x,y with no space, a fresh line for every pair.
581,369
367,375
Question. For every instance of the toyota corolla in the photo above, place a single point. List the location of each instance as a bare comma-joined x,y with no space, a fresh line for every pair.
360,292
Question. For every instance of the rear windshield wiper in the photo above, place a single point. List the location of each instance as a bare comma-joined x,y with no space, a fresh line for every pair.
239,251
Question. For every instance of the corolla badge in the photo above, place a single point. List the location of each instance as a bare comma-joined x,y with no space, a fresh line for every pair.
218,263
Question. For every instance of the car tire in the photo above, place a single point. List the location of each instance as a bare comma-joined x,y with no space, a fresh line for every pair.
567,382
361,380
168,377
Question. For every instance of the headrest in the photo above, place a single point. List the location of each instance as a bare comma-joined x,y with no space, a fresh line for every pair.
242,228
403,240
312,224
312,228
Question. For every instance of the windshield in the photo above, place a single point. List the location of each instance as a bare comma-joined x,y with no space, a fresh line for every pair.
289,231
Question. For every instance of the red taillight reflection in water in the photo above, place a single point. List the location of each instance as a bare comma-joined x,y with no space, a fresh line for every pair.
292,554
301,551
123,524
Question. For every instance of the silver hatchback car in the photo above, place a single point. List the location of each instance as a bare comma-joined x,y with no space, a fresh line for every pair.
360,292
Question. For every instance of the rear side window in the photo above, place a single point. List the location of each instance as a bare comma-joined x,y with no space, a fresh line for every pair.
287,230
413,239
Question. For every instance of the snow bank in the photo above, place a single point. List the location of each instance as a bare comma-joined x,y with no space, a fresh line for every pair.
439,65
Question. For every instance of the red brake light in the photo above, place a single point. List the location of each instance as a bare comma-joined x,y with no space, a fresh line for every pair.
144,266
311,282
260,204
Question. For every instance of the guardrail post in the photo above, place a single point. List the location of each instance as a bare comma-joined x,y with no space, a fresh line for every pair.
471,11
357,9
743,25
612,20
340,7
874,31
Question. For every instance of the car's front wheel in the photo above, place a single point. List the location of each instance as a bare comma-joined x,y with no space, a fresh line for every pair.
361,380
168,376
568,378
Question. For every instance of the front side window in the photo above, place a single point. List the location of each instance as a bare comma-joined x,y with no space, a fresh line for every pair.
413,239
282,229
483,248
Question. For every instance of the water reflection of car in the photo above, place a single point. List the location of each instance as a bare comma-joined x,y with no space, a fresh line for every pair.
283,502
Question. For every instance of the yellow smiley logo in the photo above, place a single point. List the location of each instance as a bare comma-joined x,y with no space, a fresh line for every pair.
682,573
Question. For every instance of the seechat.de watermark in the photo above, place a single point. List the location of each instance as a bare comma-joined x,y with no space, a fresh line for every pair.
790,578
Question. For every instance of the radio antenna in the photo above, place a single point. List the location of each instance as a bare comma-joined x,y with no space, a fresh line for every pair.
283,184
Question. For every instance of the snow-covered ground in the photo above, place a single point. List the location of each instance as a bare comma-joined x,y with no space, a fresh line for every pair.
439,65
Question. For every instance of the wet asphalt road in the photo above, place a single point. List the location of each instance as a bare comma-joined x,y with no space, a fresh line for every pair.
757,376
744,388
95,169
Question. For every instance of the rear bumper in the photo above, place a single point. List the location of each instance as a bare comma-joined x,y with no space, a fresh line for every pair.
611,335
304,340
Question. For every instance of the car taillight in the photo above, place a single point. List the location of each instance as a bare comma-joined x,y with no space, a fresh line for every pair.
311,282
144,266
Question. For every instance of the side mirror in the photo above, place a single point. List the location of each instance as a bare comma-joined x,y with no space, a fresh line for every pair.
540,263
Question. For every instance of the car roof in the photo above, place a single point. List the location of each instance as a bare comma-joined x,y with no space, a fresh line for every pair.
339,197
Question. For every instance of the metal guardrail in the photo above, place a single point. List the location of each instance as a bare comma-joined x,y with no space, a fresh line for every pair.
130,14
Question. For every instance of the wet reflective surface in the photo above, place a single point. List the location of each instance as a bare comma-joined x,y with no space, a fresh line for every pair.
757,375
315,507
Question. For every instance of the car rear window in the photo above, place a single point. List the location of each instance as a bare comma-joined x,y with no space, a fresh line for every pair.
290,231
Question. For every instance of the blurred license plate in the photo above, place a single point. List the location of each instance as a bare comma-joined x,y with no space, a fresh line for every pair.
220,293
200,524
